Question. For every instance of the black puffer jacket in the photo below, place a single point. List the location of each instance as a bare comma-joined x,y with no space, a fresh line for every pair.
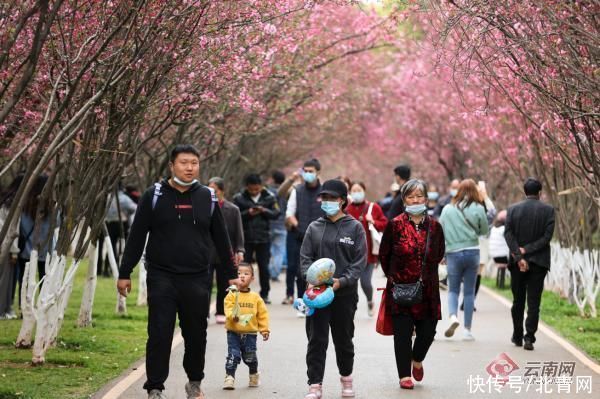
256,227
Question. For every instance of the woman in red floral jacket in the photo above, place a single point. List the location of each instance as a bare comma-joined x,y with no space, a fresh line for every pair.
401,254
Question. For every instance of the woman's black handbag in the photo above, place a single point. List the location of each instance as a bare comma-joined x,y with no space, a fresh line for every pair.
408,294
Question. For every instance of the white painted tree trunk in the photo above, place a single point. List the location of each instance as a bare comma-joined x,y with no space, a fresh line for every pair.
62,306
25,337
89,288
142,299
47,308
121,307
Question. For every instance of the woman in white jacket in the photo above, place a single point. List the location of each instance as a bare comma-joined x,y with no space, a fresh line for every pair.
498,247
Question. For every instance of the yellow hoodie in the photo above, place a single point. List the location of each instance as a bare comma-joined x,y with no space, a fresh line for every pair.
252,313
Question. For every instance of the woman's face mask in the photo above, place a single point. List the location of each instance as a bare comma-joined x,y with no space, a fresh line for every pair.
358,196
433,195
415,210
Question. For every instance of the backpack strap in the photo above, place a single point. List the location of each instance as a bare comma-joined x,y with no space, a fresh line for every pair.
214,200
157,193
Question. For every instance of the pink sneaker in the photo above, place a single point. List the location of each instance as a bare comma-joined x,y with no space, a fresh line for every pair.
315,391
347,389
220,319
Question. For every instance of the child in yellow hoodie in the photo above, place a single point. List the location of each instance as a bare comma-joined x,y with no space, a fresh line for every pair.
246,315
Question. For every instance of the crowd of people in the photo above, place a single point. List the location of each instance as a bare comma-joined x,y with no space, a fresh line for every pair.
194,235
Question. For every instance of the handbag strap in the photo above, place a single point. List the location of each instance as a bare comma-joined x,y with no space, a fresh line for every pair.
426,248
467,220
370,211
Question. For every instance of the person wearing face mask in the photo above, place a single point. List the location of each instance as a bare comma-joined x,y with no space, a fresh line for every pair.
401,176
464,220
432,200
258,208
446,199
367,213
182,221
342,238
411,248
303,208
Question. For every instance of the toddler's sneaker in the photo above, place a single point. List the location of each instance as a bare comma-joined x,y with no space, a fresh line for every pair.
347,389
454,323
315,391
229,383
254,380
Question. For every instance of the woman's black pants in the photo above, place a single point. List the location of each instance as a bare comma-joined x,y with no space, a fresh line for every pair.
405,350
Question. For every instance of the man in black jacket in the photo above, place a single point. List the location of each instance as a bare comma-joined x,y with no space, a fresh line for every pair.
528,231
258,207
182,220
402,175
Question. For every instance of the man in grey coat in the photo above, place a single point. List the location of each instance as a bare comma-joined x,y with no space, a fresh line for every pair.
528,231
235,229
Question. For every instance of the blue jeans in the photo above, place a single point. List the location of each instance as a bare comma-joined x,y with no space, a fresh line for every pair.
241,347
293,273
278,245
462,267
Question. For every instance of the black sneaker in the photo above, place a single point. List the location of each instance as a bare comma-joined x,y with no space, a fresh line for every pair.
517,342
267,301
528,345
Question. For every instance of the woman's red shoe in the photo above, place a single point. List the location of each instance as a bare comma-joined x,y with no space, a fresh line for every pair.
407,384
417,373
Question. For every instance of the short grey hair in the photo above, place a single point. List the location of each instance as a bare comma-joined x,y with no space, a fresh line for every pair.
218,181
412,185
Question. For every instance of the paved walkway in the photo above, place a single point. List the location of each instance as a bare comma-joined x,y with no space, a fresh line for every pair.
448,366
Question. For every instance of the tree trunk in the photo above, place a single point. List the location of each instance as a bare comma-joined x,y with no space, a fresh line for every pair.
142,299
24,340
121,307
46,310
89,288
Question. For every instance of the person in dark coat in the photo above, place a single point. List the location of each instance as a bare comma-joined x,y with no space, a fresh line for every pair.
235,230
177,221
528,231
258,207
402,175
303,208
412,247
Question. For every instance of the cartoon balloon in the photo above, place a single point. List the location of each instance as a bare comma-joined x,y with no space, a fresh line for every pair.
321,272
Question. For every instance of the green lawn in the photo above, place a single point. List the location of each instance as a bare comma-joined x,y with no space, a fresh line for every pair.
85,358
564,318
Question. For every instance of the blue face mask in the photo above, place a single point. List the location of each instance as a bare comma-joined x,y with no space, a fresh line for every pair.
330,207
453,192
309,177
358,196
182,183
433,195
415,209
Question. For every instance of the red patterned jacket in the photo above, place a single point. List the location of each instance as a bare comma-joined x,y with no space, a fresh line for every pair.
401,255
